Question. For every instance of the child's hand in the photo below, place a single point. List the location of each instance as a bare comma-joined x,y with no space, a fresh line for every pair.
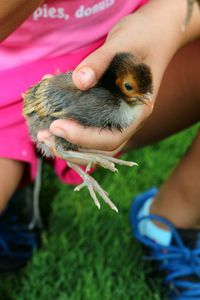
154,34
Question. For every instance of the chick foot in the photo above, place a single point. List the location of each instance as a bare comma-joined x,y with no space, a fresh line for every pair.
102,160
92,186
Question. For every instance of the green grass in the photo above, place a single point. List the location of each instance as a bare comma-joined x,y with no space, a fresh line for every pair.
90,254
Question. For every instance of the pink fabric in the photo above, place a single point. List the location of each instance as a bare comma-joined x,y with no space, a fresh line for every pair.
62,26
17,80
41,46
15,141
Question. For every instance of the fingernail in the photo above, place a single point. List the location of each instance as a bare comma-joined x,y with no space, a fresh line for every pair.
58,132
86,76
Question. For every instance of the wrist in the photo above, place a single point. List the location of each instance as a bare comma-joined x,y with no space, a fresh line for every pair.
168,18
163,24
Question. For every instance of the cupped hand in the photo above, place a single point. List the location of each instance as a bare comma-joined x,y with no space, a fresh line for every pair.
138,34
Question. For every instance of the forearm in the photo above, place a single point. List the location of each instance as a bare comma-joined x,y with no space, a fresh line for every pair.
157,33
13,13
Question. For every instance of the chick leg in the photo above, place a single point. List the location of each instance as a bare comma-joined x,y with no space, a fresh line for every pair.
92,186
104,161
91,158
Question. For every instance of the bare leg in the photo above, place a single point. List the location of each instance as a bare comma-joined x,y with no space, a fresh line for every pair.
179,197
178,106
178,101
10,175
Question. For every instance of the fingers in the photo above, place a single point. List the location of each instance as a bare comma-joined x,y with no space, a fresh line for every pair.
90,70
45,136
90,137
94,138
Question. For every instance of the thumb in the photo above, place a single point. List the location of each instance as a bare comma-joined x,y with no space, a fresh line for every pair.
90,70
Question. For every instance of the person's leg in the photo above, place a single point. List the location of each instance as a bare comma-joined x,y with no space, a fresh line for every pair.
178,100
167,221
179,198
10,175
19,221
177,107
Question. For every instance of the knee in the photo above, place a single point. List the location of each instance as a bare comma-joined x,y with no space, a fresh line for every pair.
10,175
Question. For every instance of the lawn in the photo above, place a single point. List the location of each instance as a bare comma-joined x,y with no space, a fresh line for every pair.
90,254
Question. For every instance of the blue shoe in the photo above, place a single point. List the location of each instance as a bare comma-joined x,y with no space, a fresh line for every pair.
20,228
180,261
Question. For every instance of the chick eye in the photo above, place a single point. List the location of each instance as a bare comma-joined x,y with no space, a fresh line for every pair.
128,86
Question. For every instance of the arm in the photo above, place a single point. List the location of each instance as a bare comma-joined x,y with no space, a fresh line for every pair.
154,34
13,13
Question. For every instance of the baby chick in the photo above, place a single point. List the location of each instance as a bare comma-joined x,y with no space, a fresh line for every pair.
190,5
114,103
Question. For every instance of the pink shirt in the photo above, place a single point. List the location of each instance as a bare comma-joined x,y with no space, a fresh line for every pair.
61,27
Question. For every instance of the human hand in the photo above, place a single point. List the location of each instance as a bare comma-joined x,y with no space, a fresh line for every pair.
137,34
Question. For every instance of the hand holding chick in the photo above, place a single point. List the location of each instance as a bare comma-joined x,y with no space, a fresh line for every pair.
114,103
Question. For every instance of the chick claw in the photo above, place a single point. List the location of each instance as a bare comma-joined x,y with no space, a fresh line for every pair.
92,186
